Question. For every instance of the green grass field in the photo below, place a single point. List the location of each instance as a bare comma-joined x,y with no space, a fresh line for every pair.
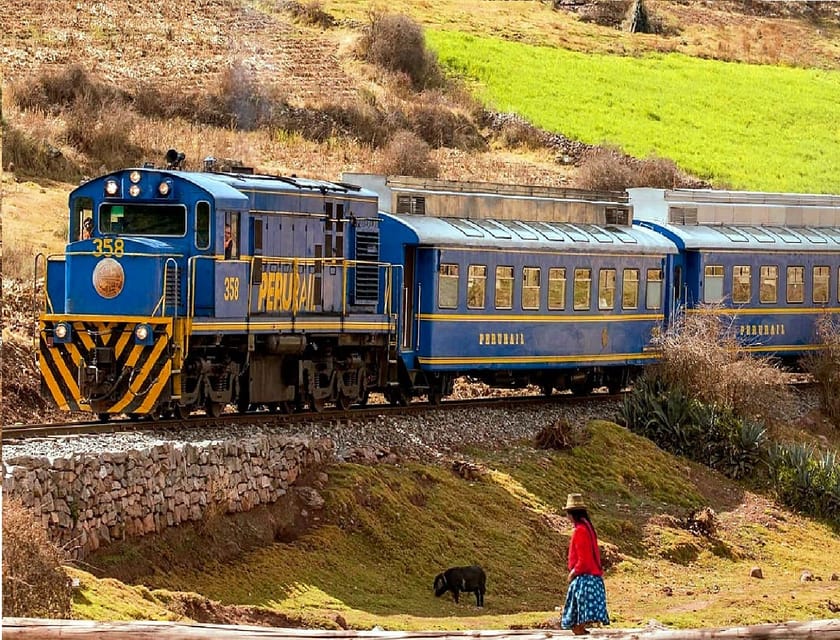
742,126
387,530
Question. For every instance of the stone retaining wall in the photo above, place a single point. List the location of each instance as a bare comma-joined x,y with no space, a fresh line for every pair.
90,499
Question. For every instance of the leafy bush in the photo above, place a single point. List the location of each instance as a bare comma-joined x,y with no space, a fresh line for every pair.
34,584
806,479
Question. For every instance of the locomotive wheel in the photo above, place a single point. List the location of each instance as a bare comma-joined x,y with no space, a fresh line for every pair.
547,389
317,404
398,397
582,389
213,409
182,412
363,400
342,402
104,417
435,396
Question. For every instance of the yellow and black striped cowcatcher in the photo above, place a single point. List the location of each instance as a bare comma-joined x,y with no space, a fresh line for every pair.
102,368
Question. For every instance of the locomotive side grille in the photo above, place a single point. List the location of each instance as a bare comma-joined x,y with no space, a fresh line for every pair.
617,216
682,215
367,275
172,289
411,204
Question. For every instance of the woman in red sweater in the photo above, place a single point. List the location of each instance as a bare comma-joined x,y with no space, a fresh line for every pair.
586,600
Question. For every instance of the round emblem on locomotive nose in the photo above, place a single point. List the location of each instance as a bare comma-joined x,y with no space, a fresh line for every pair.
108,278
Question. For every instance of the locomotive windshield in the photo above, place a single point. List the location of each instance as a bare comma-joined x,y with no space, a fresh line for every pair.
143,219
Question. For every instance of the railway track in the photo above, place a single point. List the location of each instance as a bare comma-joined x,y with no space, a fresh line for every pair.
14,433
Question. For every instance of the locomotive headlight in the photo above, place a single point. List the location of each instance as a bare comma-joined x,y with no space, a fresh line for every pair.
111,188
134,176
134,190
62,332
163,188
143,334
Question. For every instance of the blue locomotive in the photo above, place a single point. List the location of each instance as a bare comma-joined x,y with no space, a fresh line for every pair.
183,290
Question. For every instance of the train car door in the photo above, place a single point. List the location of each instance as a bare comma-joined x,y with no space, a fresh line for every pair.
409,302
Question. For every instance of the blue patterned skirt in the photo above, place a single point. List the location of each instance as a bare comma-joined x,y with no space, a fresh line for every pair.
586,602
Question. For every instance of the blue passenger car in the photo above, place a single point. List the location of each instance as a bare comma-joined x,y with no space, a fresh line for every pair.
768,262
512,303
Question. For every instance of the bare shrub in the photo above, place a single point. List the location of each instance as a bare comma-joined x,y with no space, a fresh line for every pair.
363,122
558,435
311,13
517,133
604,169
824,365
104,136
238,101
396,43
433,120
53,92
34,584
406,154
701,355
241,99
35,158
657,172
606,13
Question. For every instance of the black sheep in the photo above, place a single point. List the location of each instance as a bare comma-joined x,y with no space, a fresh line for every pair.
458,579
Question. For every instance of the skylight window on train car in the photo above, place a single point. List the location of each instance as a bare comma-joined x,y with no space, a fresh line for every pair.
573,232
493,228
597,232
623,236
521,230
758,234
733,234
466,228
813,235
832,232
786,235
549,232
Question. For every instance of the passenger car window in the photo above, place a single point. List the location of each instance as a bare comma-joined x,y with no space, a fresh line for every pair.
768,286
653,295
630,289
448,286
741,284
556,288
504,287
795,284
713,284
583,288
606,289
821,284
531,288
476,286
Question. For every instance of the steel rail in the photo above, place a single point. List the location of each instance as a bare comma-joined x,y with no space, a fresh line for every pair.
11,433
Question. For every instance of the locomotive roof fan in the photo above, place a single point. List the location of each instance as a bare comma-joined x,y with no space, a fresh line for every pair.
174,159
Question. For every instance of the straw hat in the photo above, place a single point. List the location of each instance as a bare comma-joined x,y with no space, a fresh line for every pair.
574,501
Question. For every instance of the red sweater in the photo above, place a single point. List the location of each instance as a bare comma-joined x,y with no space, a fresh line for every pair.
584,556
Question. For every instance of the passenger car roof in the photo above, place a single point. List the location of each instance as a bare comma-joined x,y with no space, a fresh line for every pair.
511,234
